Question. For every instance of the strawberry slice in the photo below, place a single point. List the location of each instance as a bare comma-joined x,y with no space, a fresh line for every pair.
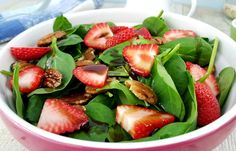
140,122
208,105
59,117
178,33
116,29
141,57
97,36
120,37
197,72
144,32
29,53
92,75
30,79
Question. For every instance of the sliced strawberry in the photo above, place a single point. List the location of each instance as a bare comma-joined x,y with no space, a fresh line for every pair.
197,72
29,53
140,122
116,29
30,79
59,117
92,75
208,106
141,57
97,36
178,33
144,32
120,37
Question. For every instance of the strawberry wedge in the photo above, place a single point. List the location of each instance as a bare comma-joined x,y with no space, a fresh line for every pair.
140,122
59,117
144,32
178,33
141,57
117,29
29,53
97,36
92,75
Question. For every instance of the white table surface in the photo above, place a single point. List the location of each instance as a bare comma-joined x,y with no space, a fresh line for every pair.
213,17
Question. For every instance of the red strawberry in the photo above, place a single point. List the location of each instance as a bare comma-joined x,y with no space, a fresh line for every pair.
140,122
30,79
208,106
178,33
97,36
144,32
29,53
141,57
92,75
59,117
120,37
197,72
116,29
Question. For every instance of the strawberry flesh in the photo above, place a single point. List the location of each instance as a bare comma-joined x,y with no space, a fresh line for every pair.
197,72
120,37
30,79
140,122
29,53
141,57
117,29
59,117
144,32
208,105
92,75
178,33
97,36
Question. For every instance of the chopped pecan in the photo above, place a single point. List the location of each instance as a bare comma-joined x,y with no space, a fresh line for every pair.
142,91
47,40
84,62
52,78
89,54
77,98
91,90
22,65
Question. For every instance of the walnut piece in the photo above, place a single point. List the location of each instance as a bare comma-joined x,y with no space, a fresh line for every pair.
47,40
89,54
77,98
142,91
22,65
52,78
81,63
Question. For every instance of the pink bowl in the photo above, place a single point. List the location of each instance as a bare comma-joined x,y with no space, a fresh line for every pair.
205,138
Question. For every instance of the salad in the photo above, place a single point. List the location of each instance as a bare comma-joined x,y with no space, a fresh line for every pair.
109,83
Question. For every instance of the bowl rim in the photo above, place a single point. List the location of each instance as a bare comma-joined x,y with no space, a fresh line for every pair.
185,138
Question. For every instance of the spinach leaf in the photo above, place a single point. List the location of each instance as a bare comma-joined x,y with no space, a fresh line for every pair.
156,25
100,113
118,72
61,23
125,95
196,50
167,94
225,80
177,70
16,92
34,108
83,29
105,100
113,56
70,40
61,61
117,134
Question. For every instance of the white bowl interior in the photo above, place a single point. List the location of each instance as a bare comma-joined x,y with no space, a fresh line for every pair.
225,57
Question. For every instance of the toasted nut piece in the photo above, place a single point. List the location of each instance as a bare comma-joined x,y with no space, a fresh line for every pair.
84,62
90,90
142,91
52,78
47,40
77,98
89,54
22,65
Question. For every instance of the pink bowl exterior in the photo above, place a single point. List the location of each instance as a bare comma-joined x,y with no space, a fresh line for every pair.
35,142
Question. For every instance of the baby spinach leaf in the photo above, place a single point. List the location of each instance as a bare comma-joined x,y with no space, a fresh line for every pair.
83,29
105,100
156,25
61,23
117,134
126,96
177,70
225,80
118,72
196,50
34,108
16,92
164,87
113,56
100,113
61,61
70,40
